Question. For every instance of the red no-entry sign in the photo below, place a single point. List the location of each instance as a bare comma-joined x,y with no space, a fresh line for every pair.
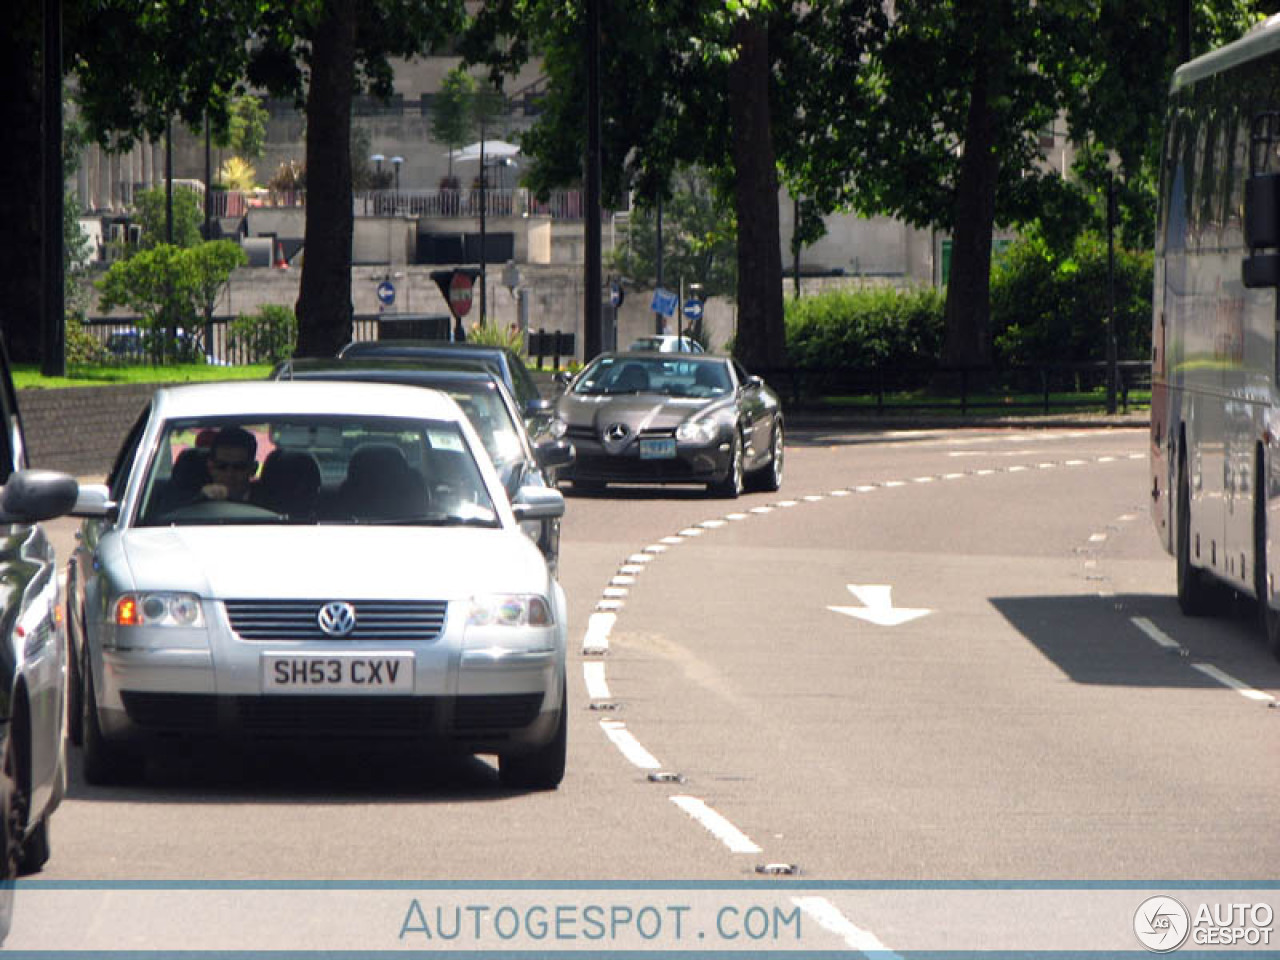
460,294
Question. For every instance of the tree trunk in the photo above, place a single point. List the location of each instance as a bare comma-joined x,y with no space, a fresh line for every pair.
324,298
21,171
968,310
761,338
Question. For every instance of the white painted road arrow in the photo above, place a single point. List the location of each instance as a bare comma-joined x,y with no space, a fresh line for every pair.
877,606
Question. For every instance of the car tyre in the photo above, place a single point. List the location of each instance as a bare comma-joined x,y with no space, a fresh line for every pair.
543,769
13,815
732,485
1195,592
104,764
769,477
34,852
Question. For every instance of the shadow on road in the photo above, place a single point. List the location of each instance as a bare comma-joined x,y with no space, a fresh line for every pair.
254,773
1094,640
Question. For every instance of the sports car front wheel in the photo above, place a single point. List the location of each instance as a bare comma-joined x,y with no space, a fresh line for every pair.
769,477
732,484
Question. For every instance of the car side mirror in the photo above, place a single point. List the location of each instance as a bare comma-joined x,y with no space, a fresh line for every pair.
30,496
538,503
554,453
1261,231
94,501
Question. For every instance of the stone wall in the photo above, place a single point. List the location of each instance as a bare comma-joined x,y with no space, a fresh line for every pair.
80,429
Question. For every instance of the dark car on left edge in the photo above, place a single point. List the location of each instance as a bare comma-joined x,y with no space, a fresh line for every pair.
33,656
648,417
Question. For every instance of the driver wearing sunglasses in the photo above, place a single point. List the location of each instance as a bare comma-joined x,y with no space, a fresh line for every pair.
232,464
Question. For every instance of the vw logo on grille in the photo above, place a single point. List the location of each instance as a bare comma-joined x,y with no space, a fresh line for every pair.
337,619
615,436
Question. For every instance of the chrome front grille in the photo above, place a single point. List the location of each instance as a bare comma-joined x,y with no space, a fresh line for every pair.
375,619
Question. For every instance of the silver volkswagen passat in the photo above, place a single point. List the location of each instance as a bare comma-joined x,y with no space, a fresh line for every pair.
320,562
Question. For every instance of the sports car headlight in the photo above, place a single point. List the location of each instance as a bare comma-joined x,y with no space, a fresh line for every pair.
159,610
510,610
697,431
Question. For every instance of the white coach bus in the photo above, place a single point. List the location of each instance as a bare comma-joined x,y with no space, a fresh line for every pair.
1215,368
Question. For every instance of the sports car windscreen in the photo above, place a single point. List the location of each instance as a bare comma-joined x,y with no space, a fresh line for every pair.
313,470
615,375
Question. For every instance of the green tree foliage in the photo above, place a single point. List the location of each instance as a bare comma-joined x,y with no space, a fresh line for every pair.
271,334
364,174
957,145
1049,308
247,128
171,288
139,64
188,216
451,114
699,239
77,249
702,82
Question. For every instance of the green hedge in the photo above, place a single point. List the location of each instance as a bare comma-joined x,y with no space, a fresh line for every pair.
1053,309
864,328
1045,309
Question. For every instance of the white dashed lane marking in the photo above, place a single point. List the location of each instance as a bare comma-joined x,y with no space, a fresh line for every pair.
596,644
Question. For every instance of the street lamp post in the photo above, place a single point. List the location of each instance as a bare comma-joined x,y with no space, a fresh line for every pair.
396,162
377,159
484,209
1111,293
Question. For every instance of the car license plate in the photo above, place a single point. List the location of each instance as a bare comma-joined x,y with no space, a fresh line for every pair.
366,673
662,448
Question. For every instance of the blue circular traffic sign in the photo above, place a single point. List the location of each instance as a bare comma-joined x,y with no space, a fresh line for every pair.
693,309
386,293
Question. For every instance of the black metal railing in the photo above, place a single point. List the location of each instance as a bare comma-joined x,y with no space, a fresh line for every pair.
883,389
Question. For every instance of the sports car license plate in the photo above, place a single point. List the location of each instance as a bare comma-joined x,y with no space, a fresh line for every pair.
662,448
366,673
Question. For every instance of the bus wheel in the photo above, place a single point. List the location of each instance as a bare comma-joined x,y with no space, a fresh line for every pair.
1268,618
1195,593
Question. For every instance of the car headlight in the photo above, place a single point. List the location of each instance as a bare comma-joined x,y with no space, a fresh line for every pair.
159,610
557,427
697,431
510,610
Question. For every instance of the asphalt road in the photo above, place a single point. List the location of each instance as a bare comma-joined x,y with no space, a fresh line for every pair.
935,655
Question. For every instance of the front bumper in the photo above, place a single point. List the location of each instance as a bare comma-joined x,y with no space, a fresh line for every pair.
693,463
474,700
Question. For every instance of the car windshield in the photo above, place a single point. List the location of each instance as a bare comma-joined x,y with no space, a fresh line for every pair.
674,377
492,420
300,469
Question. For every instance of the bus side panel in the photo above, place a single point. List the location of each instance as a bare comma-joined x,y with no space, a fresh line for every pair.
1196,411
1162,438
1244,355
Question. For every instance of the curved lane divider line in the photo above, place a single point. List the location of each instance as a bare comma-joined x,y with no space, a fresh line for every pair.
719,827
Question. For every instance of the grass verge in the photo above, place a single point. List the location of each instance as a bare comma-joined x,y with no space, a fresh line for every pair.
28,376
